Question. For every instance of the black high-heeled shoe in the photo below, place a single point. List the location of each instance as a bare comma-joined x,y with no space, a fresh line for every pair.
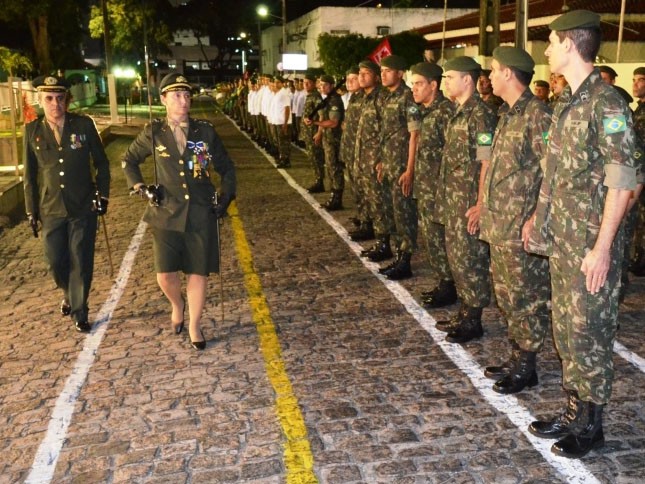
199,345
179,327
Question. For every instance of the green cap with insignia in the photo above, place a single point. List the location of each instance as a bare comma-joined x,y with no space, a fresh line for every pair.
327,78
514,57
576,19
174,82
352,70
372,66
51,84
427,70
394,62
310,77
639,71
609,71
462,64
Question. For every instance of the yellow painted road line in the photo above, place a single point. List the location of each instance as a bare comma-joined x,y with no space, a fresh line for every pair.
298,459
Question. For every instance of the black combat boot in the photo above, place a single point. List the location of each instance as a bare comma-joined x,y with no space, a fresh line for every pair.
402,269
317,187
391,265
497,372
447,325
286,163
522,375
365,231
562,424
335,202
380,251
444,294
469,328
580,441
637,266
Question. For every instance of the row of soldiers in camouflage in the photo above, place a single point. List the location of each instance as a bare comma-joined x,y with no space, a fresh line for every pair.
534,197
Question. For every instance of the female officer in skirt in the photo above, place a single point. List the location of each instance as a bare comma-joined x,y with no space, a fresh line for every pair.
182,212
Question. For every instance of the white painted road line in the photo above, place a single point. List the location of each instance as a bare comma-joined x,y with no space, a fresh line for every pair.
44,465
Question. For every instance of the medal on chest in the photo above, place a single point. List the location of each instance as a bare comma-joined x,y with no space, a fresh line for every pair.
200,159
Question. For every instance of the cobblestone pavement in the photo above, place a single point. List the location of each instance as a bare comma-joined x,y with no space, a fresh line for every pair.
383,397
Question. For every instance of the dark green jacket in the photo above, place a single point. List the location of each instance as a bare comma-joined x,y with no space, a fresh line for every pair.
59,181
186,199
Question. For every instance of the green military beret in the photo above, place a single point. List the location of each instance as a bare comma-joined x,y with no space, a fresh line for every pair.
624,94
51,84
462,64
310,77
541,83
372,66
485,72
278,79
327,78
639,71
174,82
514,57
352,70
427,70
576,19
609,71
394,62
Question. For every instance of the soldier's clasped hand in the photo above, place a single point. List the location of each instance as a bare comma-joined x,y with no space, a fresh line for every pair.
152,193
99,204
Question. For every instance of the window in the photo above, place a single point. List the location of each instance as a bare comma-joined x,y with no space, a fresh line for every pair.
383,30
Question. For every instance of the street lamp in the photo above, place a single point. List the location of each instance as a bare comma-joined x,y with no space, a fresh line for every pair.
263,12
243,38
125,73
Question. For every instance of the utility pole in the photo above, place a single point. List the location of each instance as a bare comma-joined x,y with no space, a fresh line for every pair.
488,26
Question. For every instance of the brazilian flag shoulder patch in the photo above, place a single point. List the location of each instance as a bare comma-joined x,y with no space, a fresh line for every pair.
545,137
614,124
484,139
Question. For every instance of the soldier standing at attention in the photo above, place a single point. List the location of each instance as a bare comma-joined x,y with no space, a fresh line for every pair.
588,180
280,120
511,189
65,193
183,215
329,122
485,89
308,130
368,140
459,199
541,90
638,90
400,118
436,112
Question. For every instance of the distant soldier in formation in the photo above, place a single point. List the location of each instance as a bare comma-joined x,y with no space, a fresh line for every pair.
314,151
541,90
464,164
638,90
485,90
588,180
510,194
280,122
436,112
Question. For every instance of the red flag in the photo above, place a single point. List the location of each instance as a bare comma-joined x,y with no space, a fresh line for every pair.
382,50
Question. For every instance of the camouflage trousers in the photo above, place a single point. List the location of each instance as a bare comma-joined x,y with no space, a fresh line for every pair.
584,324
282,140
403,212
335,167
315,155
631,221
523,292
354,179
469,263
375,194
433,236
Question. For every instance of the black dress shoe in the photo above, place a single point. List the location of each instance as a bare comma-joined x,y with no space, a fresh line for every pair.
199,345
65,308
82,327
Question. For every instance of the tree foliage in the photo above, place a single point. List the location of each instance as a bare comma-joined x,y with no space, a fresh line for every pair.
339,53
13,62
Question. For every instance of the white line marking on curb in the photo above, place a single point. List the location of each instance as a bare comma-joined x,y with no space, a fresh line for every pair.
44,465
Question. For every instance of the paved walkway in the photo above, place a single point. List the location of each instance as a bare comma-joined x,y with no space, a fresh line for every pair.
320,370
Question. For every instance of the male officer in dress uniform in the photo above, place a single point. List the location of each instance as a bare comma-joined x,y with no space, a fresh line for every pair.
65,193
315,153
436,111
588,180
400,121
329,123
510,194
182,213
459,199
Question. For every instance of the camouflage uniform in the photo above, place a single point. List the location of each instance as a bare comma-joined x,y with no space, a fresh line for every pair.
315,152
334,110
639,128
511,190
426,180
590,144
368,137
399,116
468,139
347,152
